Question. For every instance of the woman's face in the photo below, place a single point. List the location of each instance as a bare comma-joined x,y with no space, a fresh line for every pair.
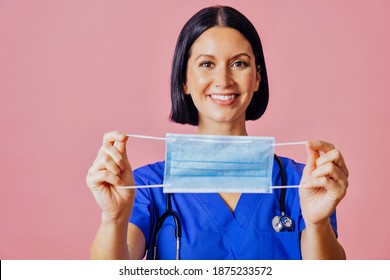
221,76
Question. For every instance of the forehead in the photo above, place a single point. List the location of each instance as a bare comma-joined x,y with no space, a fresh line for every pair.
221,41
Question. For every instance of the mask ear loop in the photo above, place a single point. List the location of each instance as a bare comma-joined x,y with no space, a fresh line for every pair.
165,139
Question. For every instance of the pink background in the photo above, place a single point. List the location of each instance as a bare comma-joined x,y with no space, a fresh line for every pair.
72,70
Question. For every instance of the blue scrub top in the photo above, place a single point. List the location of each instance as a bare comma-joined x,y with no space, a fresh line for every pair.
210,230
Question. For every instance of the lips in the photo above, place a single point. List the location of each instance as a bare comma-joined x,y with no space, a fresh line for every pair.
224,99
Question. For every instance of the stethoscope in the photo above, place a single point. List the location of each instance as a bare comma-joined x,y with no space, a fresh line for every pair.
168,213
280,222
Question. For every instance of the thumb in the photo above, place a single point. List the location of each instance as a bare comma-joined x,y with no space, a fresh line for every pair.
121,144
312,156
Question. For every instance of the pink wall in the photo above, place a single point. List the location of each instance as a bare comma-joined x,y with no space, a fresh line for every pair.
71,70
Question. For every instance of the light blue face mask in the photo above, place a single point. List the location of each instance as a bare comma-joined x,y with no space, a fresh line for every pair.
209,163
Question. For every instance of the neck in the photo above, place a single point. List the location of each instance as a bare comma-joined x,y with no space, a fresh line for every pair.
222,128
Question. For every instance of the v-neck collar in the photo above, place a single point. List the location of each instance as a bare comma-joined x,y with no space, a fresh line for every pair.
231,224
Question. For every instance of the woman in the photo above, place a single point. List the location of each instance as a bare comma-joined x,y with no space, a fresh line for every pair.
219,81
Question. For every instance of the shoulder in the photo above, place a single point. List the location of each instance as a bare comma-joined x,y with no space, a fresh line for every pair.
150,174
292,169
291,165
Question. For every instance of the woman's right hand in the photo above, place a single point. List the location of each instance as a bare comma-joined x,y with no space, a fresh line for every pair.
111,168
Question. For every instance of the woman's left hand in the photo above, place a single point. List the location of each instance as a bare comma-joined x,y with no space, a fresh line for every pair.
324,182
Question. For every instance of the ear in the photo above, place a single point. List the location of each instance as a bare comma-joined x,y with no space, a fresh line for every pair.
185,89
258,79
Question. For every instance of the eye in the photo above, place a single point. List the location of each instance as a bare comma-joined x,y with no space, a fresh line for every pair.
240,64
206,64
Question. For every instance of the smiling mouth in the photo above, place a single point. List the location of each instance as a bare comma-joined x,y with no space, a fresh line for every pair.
224,97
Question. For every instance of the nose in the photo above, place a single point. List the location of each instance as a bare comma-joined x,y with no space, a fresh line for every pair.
223,77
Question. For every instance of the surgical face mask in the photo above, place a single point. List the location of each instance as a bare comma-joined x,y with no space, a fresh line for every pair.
209,163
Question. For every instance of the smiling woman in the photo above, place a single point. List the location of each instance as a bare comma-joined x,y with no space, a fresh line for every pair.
246,41
222,77
219,80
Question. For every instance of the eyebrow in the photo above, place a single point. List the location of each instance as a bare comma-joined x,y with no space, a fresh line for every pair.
212,56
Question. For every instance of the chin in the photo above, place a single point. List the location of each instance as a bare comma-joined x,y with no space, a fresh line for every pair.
225,119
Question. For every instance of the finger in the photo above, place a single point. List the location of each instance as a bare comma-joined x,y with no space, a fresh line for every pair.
336,157
330,170
110,165
118,140
124,163
335,189
103,176
109,139
113,136
312,156
105,163
112,152
121,145
321,183
321,146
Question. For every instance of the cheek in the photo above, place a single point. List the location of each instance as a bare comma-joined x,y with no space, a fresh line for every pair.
197,81
249,81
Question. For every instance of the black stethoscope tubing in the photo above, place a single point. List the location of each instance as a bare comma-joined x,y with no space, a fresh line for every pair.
282,197
282,222
278,222
168,213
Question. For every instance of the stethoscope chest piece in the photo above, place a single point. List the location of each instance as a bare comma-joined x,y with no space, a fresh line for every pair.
283,222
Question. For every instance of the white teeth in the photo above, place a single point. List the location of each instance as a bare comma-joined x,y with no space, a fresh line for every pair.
223,97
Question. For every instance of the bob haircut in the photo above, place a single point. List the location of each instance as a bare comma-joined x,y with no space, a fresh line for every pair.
183,109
